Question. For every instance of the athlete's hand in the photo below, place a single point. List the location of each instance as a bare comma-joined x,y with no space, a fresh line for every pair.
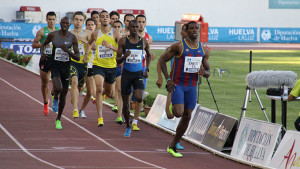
43,56
128,52
146,74
170,86
106,44
159,82
201,71
85,58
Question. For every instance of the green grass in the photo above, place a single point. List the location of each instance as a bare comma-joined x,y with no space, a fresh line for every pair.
230,91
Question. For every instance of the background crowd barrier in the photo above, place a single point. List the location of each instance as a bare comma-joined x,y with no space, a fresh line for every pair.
28,31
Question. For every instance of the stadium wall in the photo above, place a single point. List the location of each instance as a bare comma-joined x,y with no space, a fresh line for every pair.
218,13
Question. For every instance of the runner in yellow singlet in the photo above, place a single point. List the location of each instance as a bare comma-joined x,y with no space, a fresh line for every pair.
78,69
104,65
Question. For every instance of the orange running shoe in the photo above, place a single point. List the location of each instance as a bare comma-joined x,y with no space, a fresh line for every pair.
46,109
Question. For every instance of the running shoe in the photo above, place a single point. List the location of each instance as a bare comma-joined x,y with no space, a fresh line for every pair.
94,100
55,105
100,122
119,120
82,114
135,127
179,147
75,114
46,109
52,95
115,109
58,125
127,132
174,152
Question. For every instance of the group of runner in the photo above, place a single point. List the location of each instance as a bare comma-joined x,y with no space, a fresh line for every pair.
114,62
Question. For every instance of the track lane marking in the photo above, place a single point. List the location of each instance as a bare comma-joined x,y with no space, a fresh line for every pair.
84,129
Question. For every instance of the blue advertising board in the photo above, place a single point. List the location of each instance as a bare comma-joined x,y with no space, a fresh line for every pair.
161,33
21,30
232,34
24,48
280,35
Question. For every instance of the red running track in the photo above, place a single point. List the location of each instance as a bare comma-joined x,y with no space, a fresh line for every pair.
28,139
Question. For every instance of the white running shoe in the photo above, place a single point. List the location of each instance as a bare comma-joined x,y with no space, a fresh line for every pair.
82,114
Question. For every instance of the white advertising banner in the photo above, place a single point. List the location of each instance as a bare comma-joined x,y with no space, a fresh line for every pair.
157,109
33,64
287,155
172,124
255,141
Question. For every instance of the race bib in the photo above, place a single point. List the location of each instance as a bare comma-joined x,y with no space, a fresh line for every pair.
48,49
104,52
135,56
81,49
61,55
192,64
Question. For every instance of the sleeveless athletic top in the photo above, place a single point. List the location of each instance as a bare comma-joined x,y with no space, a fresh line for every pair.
185,67
57,53
133,62
48,50
105,57
81,47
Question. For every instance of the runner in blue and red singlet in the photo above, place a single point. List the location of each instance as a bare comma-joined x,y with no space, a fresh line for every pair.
191,60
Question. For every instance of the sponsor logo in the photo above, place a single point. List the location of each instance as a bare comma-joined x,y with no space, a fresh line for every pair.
35,29
266,34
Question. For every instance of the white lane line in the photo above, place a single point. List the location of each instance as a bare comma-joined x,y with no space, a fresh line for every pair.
71,121
25,150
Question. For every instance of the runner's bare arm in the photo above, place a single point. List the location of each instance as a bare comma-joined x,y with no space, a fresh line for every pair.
37,39
174,50
148,59
90,43
158,69
169,54
120,57
153,56
205,63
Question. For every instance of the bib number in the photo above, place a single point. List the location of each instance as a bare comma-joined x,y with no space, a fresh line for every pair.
192,64
104,52
135,56
48,49
61,55
81,49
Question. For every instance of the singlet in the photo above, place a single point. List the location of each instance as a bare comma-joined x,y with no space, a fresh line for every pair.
185,67
296,90
58,54
81,47
105,57
147,38
133,62
46,32
48,50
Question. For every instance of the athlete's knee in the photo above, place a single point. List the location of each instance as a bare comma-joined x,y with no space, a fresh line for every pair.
138,99
177,111
99,90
